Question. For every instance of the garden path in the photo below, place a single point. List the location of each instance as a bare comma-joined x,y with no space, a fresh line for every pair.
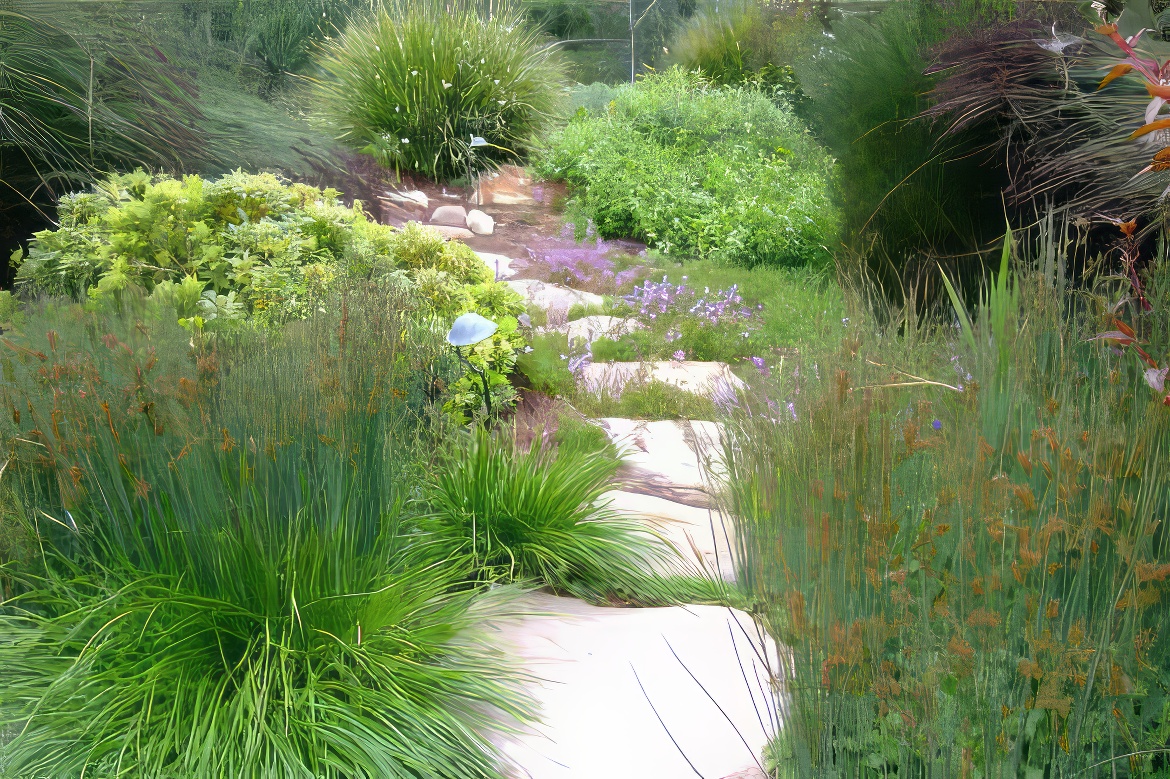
626,693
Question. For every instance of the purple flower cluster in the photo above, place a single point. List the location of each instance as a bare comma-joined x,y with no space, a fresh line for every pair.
653,298
589,264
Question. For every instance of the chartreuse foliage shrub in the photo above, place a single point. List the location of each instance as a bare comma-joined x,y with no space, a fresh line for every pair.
698,171
972,574
251,247
413,83
231,582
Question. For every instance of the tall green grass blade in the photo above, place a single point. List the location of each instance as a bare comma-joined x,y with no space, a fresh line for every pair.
960,312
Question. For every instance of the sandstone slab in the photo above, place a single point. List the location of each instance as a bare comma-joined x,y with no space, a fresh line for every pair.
500,263
553,297
712,379
604,677
703,537
684,454
590,328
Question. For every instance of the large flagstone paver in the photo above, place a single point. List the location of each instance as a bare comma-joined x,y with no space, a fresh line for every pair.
553,297
606,676
702,536
590,328
682,454
713,379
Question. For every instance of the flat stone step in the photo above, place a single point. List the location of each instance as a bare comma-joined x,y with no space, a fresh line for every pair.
713,379
703,537
590,328
553,298
602,673
682,453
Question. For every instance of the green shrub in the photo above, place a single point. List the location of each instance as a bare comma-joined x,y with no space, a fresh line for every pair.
413,83
749,43
231,586
249,246
276,250
536,516
955,536
698,171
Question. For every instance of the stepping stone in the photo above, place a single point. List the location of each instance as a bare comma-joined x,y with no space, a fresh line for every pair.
500,263
590,328
480,223
600,674
455,216
553,297
713,379
702,536
668,459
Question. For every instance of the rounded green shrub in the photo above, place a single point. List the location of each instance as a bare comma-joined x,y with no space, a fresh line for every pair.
415,82
698,170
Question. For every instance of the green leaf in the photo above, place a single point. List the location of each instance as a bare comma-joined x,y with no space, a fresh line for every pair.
960,311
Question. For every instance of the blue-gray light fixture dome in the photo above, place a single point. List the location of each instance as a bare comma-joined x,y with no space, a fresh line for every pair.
470,329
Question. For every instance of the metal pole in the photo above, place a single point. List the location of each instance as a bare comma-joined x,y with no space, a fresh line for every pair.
632,42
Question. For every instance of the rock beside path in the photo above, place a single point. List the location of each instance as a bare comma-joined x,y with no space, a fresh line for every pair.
501,264
480,223
452,216
603,673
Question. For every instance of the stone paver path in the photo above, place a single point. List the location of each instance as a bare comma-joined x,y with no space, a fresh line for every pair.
646,693
609,674
713,379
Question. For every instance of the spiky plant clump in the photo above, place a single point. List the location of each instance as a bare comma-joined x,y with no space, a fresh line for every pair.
538,516
229,584
415,82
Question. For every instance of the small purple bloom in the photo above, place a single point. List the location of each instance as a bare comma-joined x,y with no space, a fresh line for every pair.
792,410
680,355
761,366
936,424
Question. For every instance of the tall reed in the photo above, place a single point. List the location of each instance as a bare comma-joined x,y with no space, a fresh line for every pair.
963,542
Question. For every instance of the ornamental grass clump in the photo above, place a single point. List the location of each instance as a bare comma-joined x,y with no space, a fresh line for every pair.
229,581
413,84
538,516
962,537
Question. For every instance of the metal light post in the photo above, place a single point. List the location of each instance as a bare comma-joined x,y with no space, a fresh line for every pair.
477,142
467,331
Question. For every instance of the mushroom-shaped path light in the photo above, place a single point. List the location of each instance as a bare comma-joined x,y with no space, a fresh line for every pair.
468,330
